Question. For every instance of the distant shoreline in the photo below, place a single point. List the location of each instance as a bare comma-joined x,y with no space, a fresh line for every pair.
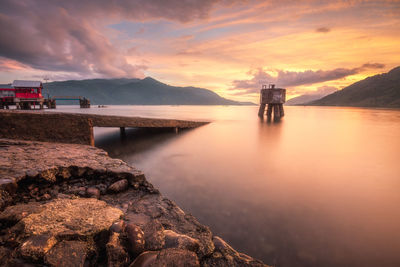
339,106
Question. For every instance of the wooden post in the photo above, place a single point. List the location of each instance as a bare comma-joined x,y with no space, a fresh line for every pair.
281,110
269,111
261,110
91,138
122,132
277,113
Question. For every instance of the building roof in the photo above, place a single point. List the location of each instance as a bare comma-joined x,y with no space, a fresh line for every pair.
20,83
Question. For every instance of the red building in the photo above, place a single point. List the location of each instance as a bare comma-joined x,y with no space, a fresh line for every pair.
27,89
23,95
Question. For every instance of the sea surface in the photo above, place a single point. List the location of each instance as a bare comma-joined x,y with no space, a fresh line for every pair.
319,188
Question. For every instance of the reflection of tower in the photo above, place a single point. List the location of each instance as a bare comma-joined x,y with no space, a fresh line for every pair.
274,98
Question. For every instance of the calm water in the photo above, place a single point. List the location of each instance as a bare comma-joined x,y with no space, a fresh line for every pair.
320,188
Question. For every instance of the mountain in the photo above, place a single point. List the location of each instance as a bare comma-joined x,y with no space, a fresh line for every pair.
311,96
382,90
303,99
147,91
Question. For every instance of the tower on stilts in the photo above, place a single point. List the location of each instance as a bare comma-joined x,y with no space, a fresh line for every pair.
274,98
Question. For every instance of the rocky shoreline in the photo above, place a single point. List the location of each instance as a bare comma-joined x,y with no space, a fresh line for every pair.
73,205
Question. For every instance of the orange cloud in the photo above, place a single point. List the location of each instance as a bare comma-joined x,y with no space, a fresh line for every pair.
8,65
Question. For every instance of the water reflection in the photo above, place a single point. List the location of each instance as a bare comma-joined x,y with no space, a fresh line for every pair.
320,188
132,140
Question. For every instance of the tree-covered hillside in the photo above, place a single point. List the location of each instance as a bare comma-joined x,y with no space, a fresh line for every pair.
147,91
382,90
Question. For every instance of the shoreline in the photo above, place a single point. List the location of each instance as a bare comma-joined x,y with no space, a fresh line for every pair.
338,106
128,222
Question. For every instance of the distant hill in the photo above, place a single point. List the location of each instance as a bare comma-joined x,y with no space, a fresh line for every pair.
382,90
147,91
311,96
303,99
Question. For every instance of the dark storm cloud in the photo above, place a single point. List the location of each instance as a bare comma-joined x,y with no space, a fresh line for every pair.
372,66
68,35
292,78
323,30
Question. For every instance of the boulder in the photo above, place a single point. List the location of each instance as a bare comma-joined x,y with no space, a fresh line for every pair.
137,178
93,192
8,184
166,257
68,254
146,259
135,238
118,226
82,217
152,207
116,254
154,235
176,257
175,240
222,246
4,256
13,214
119,186
62,220
225,255
37,246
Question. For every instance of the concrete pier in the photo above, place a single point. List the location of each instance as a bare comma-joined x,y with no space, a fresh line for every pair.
73,127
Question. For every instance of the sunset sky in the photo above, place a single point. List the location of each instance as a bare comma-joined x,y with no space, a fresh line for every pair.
226,46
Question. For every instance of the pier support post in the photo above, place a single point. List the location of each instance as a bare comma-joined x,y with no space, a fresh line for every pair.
261,111
122,132
277,112
269,111
281,110
176,130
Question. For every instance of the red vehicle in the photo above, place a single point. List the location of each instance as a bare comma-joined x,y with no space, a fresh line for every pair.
23,95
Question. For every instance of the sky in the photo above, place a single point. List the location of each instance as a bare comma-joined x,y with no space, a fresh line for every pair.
231,47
